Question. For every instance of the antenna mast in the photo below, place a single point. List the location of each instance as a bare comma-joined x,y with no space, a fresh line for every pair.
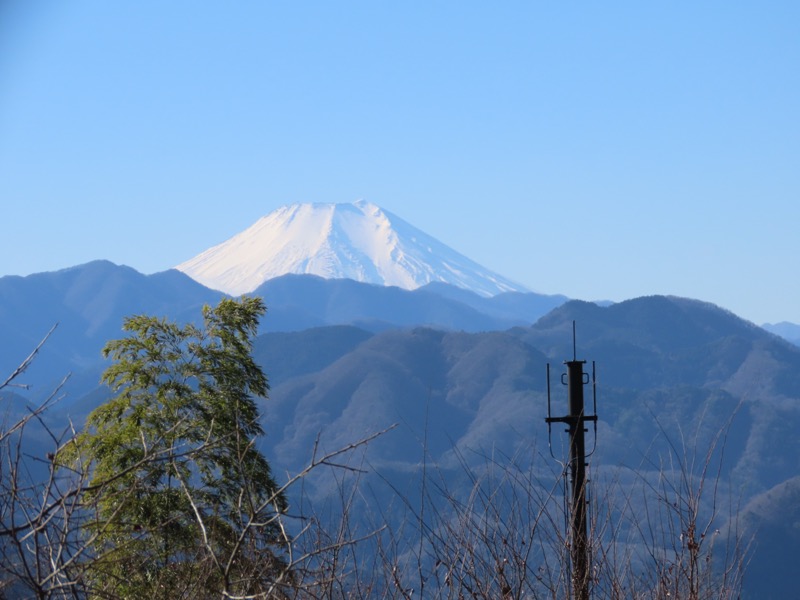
576,420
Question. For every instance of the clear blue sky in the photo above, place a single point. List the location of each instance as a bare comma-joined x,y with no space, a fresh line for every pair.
599,150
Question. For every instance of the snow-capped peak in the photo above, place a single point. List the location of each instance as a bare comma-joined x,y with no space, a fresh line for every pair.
357,241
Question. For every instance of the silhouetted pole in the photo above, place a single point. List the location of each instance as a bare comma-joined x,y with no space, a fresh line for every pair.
579,549
578,520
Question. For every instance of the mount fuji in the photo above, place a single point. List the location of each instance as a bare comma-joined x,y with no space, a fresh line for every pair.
358,241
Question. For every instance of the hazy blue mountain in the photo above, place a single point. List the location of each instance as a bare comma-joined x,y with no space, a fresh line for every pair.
671,372
291,355
301,301
788,331
775,516
469,389
462,376
670,357
511,306
89,302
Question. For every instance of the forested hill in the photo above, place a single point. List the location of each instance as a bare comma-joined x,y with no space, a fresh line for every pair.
672,374
463,377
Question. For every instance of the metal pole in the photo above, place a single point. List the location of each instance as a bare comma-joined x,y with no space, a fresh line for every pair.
576,420
579,548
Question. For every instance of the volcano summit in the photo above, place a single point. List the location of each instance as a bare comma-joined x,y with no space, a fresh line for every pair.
358,241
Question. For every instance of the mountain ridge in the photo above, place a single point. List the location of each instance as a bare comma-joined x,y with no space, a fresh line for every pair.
88,303
665,365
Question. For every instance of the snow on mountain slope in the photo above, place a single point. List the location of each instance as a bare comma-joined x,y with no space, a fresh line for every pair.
357,241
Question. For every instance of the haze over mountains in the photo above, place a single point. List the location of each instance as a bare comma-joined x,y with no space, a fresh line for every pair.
461,361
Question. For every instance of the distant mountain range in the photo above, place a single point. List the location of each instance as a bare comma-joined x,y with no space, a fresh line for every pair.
672,373
358,241
348,358
89,302
788,331
460,369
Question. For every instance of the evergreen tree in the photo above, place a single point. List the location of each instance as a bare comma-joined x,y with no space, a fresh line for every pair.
184,505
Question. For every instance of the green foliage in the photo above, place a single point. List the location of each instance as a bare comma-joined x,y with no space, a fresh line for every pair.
184,504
